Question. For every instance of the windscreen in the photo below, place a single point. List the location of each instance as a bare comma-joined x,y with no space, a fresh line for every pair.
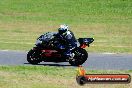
46,37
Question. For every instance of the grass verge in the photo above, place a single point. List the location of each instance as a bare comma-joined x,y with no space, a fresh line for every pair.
108,21
50,77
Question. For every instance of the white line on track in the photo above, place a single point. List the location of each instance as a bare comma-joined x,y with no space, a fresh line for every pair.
108,53
12,51
4,50
17,42
111,46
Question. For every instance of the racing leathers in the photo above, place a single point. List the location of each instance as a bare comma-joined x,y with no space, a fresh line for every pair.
70,42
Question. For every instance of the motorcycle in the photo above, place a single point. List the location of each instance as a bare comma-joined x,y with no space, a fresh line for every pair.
45,50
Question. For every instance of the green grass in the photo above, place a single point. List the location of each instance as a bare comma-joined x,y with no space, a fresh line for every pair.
50,77
22,21
108,21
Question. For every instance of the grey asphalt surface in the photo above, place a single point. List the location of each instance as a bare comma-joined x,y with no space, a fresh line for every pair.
95,60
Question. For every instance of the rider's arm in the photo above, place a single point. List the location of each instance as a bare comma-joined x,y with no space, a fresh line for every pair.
70,39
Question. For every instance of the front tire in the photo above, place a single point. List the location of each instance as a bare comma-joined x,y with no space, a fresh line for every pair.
33,57
80,57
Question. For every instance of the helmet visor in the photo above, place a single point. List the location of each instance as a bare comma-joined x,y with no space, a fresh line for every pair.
62,30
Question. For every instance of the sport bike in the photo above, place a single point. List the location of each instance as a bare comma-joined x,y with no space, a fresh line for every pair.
45,50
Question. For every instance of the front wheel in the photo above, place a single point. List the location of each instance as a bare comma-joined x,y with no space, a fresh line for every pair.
33,57
80,56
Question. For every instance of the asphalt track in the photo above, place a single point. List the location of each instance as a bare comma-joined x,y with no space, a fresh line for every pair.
101,61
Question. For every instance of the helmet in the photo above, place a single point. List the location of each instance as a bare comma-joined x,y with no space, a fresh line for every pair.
63,29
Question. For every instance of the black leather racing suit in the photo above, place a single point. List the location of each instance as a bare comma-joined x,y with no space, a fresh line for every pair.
70,41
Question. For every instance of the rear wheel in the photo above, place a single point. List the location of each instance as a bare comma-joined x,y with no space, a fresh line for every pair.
80,56
33,57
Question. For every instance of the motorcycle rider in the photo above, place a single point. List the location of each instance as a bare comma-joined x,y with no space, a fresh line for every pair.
68,36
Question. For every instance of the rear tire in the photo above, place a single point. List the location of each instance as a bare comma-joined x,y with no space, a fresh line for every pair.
80,57
33,57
